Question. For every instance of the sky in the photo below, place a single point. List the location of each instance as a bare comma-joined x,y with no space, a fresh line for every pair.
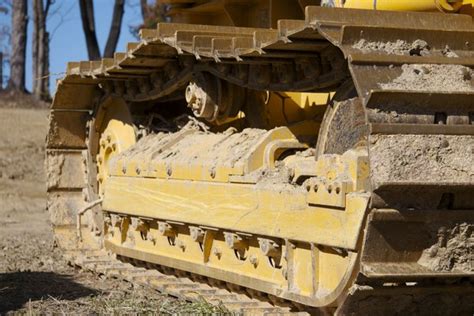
68,42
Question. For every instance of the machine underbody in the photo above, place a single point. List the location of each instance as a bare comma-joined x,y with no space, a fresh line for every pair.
325,162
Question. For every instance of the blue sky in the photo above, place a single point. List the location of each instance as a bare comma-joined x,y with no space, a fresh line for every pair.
68,43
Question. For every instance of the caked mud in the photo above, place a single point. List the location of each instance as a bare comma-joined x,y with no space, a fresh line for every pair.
436,78
454,250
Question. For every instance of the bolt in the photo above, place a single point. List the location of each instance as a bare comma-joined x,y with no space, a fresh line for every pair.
181,245
149,237
114,146
253,259
124,170
165,229
197,234
234,241
169,171
109,138
190,93
217,252
269,247
137,170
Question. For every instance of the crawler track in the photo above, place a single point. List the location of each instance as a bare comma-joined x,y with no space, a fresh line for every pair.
367,297
184,285
395,115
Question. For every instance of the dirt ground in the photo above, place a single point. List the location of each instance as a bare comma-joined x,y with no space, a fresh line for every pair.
34,279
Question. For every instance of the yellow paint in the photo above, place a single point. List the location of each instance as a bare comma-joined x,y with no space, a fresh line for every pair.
301,112
311,274
406,5
117,135
237,207
317,233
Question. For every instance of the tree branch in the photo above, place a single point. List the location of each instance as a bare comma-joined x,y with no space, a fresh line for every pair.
115,27
88,25
145,9
47,7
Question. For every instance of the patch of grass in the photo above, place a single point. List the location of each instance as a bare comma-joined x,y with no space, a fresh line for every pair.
138,301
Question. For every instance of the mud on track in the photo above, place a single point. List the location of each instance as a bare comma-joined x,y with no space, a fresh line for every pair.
33,276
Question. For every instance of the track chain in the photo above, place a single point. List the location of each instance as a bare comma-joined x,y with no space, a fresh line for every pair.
181,285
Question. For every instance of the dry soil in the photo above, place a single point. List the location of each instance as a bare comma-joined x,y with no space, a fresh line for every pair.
34,279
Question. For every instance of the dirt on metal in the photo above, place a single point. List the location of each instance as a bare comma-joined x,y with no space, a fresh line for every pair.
412,157
446,78
453,252
399,47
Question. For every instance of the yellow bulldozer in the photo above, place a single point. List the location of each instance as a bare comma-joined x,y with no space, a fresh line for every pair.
313,156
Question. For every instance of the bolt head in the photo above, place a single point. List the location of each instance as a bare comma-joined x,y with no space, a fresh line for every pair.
181,245
217,252
253,259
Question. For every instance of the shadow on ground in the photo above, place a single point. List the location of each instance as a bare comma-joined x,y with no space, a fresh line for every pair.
18,288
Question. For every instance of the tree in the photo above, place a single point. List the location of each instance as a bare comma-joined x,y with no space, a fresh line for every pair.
145,9
18,43
40,49
3,10
88,25
151,14
115,27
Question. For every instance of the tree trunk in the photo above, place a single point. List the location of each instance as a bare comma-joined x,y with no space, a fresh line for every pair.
37,17
145,9
18,41
88,25
40,50
1,71
45,95
114,32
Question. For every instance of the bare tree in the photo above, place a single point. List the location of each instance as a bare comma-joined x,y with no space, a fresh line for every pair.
5,40
40,49
152,13
1,71
88,25
115,27
145,9
18,42
4,10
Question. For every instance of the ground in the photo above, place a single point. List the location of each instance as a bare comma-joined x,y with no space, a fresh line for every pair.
34,278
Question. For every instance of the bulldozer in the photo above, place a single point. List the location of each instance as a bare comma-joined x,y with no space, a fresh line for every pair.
317,155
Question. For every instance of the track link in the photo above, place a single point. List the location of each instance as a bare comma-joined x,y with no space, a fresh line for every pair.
185,286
